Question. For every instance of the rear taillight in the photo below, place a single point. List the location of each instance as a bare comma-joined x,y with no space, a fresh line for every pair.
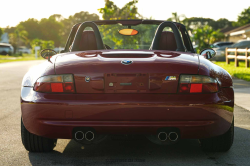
55,84
197,84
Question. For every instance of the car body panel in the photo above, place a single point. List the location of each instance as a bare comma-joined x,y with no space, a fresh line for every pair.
196,115
147,73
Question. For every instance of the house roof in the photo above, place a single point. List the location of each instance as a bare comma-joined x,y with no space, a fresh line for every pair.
227,29
242,28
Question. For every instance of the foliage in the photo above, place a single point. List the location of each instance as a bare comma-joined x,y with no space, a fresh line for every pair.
110,35
1,32
244,17
42,43
177,18
18,38
240,72
199,22
72,20
206,36
112,12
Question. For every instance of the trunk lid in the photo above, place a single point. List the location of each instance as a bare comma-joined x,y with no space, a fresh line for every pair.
105,71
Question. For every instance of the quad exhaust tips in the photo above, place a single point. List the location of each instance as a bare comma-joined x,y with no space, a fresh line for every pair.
172,136
79,135
162,136
89,135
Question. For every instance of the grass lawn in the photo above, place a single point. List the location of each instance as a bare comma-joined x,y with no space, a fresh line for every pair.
24,57
240,72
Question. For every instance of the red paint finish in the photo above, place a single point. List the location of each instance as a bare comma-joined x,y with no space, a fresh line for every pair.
149,70
139,101
48,114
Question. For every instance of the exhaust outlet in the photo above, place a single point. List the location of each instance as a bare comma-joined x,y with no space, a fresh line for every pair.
162,136
89,136
79,135
173,136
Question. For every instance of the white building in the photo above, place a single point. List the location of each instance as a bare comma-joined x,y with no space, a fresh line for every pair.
4,38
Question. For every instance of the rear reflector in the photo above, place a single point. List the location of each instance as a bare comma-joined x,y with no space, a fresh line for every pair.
196,88
56,87
197,84
55,84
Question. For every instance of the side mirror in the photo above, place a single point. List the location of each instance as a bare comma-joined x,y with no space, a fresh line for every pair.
47,53
208,53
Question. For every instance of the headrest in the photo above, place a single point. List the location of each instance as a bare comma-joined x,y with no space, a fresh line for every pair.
167,41
88,41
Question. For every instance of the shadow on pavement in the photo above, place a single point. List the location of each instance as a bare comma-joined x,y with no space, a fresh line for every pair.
140,151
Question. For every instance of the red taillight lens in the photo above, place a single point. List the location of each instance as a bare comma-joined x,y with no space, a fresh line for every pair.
56,87
196,88
197,84
55,84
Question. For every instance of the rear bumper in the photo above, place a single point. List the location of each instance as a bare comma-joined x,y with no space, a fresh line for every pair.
196,115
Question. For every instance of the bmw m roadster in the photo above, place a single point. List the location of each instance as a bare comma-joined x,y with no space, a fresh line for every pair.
127,77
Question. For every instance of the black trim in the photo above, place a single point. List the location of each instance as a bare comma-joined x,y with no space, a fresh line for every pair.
78,36
156,40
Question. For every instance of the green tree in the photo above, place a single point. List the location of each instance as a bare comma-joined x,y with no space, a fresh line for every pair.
244,17
32,27
18,37
44,44
74,19
112,12
176,18
205,36
1,32
51,29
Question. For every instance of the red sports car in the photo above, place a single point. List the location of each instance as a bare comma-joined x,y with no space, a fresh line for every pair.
127,77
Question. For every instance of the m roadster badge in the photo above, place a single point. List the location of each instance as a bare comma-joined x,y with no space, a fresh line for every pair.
126,62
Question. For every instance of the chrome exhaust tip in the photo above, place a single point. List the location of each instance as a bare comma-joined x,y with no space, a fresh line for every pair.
79,135
173,136
89,135
162,136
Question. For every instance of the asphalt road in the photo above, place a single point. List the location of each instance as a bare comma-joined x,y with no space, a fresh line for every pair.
124,151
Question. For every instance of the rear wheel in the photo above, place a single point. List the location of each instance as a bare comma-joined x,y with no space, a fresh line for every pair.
220,143
35,143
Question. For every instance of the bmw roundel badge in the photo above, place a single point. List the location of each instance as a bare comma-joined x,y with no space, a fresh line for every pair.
126,62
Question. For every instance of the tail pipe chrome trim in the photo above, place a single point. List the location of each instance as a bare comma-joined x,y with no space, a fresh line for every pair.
163,136
79,135
89,135
173,136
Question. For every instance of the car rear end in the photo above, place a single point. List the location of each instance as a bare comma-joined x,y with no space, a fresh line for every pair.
159,92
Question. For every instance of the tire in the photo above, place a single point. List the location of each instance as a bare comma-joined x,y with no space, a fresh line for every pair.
35,143
220,143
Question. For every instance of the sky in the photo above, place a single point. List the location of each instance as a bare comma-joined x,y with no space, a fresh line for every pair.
14,11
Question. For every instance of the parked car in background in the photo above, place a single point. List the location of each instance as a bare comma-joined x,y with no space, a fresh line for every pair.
24,50
6,49
220,53
218,45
